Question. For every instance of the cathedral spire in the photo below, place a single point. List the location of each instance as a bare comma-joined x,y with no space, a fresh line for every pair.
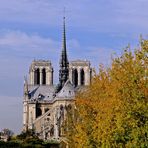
64,38
64,58
64,64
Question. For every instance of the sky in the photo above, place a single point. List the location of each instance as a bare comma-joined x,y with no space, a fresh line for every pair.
32,29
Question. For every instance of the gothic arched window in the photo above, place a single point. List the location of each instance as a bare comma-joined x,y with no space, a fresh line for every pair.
44,76
37,77
38,112
82,75
75,77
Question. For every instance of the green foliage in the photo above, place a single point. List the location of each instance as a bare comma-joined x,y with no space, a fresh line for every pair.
9,144
113,112
24,135
28,140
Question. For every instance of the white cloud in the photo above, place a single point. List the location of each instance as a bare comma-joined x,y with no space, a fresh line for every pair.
20,45
18,49
21,41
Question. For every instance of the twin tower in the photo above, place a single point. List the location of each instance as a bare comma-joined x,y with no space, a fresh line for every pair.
78,72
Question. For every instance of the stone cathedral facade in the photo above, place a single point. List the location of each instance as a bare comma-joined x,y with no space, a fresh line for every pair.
45,104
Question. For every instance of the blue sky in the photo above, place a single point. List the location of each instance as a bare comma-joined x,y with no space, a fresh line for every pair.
32,29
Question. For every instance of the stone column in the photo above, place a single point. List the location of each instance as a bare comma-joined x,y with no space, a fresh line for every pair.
41,77
70,75
56,132
87,78
31,115
51,81
79,77
25,115
32,77
47,76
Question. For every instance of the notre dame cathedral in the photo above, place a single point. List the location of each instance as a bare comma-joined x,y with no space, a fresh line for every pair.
45,104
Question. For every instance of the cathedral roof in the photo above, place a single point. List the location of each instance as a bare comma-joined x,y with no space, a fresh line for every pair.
47,92
68,90
42,92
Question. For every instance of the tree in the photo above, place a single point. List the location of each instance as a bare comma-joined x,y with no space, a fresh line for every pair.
113,111
7,132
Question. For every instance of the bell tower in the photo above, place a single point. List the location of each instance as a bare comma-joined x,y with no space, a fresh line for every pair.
80,73
41,73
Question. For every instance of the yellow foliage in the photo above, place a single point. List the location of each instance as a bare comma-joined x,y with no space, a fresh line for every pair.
113,111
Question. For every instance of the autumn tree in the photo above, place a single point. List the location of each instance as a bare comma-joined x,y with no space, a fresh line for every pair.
113,111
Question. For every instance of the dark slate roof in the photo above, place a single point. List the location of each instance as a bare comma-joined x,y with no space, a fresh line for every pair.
46,93
42,92
68,91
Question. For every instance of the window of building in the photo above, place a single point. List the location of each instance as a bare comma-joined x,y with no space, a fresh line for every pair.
38,112
37,77
44,76
75,77
82,75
